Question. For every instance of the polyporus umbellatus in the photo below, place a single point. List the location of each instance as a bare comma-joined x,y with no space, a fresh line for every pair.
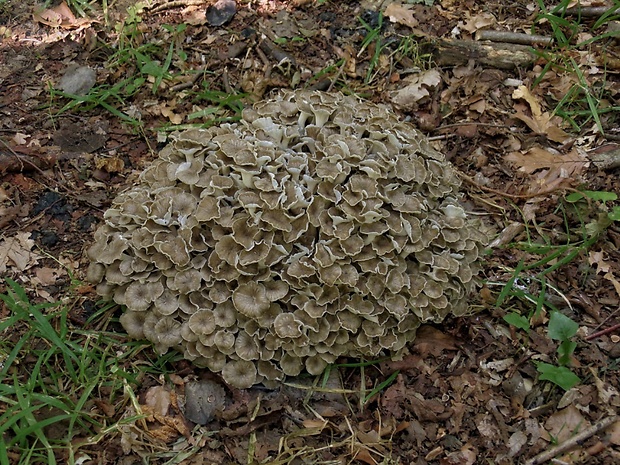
318,226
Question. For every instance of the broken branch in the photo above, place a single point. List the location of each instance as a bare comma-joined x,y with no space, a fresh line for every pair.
572,442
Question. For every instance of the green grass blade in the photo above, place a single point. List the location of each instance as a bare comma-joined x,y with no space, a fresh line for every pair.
381,386
509,284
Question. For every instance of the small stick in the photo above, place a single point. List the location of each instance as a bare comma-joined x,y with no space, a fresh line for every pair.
572,442
174,4
513,37
587,11
602,332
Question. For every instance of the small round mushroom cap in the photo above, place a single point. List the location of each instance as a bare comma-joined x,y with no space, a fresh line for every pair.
133,322
202,322
240,373
251,300
318,226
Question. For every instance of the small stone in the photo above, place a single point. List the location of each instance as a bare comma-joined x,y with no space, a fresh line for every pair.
78,80
221,12
203,399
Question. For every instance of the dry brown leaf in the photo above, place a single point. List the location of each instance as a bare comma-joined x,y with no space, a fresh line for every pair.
430,340
56,16
478,22
20,139
158,398
416,89
549,170
540,122
47,276
16,251
612,279
466,456
171,115
110,164
596,258
564,424
364,456
614,433
401,14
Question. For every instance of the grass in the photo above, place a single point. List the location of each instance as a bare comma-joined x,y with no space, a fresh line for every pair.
374,43
52,377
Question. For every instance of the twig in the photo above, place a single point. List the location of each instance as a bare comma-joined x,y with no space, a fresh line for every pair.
602,332
587,11
513,37
574,441
340,71
174,4
199,72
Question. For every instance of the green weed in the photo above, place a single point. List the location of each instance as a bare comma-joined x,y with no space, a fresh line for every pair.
529,282
107,97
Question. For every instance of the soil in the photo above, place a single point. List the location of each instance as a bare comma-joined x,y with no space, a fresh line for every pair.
469,391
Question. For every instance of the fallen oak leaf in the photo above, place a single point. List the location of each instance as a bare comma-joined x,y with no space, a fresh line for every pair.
398,13
540,122
60,16
549,170
609,276
416,89
596,258
16,250
538,158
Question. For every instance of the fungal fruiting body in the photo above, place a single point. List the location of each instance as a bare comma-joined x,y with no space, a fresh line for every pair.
318,226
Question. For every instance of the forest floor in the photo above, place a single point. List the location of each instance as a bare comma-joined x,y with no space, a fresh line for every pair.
86,103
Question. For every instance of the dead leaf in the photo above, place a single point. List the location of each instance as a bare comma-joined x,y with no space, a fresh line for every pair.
401,14
564,424
479,21
59,16
20,139
540,122
596,258
158,399
614,433
607,393
16,251
171,115
110,164
47,276
553,170
466,456
612,279
417,89
430,340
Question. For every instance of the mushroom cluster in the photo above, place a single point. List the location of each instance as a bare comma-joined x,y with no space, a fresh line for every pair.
318,226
